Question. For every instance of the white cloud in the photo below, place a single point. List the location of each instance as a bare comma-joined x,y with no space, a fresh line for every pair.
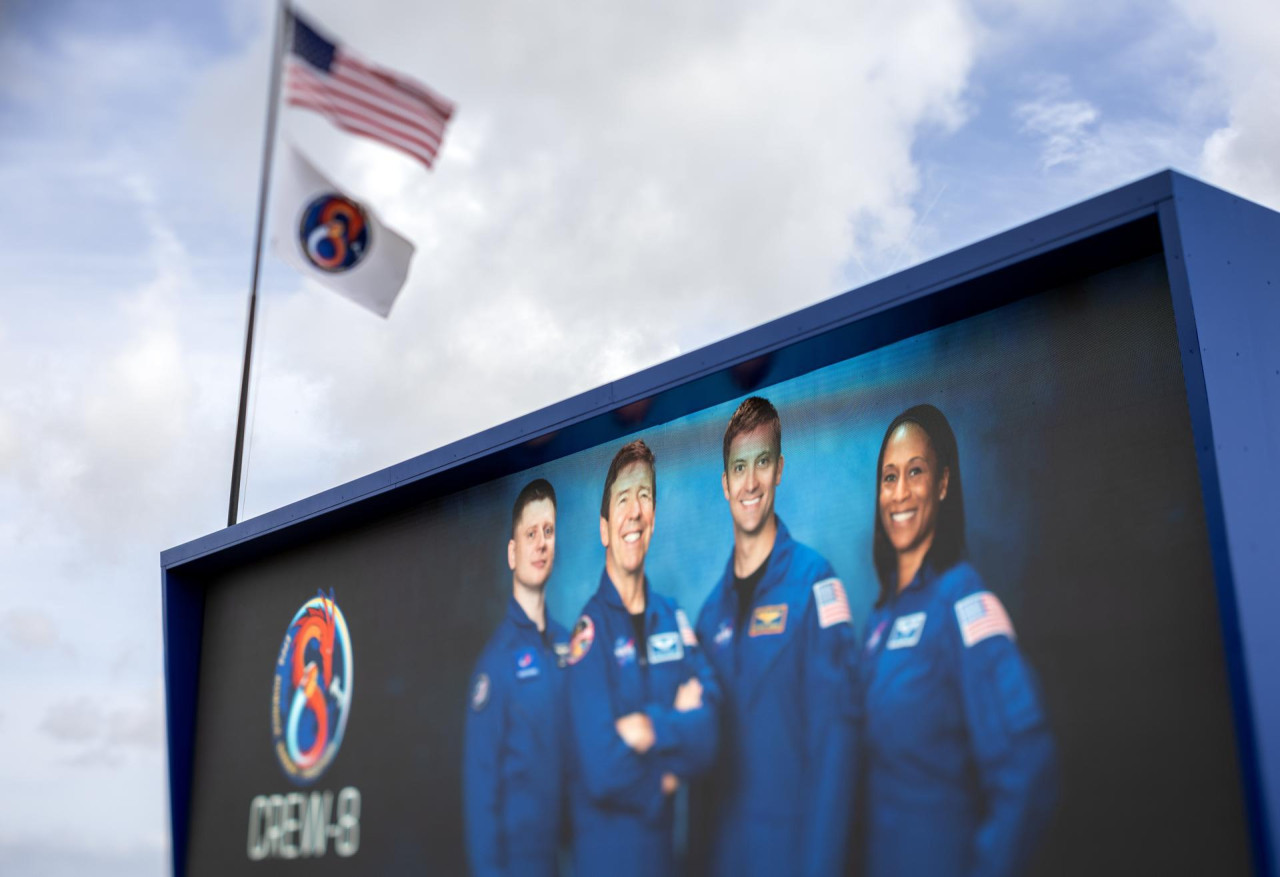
1066,125
106,728
29,629
1244,67
73,721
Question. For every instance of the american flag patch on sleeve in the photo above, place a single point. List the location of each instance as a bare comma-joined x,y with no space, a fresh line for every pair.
687,636
982,615
833,606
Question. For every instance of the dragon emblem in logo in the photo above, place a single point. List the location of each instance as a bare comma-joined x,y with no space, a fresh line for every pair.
311,695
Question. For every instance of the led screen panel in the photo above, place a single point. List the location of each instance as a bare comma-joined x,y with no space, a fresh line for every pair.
1035,686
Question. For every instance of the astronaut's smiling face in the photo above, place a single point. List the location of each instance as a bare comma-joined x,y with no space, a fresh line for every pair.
751,477
629,527
911,489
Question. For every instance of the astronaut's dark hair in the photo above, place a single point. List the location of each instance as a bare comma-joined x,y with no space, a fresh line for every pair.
538,488
753,413
948,546
632,452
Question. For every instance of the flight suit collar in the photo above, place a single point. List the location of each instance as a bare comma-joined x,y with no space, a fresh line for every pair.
924,577
779,561
526,627
517,616
609,595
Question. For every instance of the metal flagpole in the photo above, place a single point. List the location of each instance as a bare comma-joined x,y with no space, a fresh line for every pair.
268,148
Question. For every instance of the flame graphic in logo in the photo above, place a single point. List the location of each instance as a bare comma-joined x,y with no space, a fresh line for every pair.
311,697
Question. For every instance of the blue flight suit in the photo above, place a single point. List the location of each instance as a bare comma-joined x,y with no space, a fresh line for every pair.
959,760
512,766
622,822
780,797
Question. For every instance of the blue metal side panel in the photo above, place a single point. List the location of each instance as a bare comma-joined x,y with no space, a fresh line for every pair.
1223,255
183,628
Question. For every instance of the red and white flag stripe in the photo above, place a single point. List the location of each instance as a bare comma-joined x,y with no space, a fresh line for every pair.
362,98
418,142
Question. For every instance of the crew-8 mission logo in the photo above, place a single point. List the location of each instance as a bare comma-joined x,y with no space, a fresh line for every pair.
310,703
334,233
311,694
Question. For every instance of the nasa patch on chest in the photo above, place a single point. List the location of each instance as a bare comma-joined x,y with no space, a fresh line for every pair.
906,631
665,647
624,651
527,664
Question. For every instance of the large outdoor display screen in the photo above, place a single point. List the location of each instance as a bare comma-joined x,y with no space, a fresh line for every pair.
945,607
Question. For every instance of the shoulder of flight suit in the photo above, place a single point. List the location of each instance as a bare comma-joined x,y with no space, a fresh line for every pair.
959,581
490,663
809,570
666,606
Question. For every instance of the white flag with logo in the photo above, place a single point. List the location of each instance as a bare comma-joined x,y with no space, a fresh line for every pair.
331,237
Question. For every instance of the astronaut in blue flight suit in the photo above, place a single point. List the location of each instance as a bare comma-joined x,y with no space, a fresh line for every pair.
512,769
777,631
958,756
641,697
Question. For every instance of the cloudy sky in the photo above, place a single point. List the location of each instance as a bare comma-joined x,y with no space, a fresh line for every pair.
622,183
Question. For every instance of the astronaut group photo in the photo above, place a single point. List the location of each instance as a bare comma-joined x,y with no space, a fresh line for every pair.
763,726
944,607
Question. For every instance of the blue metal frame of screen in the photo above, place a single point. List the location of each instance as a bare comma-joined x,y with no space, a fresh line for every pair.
1225,284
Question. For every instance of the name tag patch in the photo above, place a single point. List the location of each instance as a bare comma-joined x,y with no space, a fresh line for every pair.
562,653
665,647
906,631
724,633
527,664
768,620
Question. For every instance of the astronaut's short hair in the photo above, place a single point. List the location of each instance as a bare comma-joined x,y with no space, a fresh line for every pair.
629,454
753,413
538,488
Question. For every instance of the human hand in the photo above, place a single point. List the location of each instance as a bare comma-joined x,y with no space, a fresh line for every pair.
636,730
689,696
670,782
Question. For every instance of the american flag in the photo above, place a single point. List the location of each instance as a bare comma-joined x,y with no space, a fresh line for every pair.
833,605
982,615
361,97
